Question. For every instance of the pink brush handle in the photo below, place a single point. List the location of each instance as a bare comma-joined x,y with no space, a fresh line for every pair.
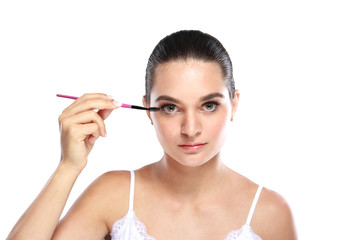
66,96
72,97
124,105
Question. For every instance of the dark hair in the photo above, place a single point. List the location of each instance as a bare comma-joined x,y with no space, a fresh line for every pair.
187,44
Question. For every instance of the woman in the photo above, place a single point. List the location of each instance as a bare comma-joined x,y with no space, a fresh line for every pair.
189,193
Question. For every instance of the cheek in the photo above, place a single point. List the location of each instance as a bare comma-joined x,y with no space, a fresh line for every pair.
216,127
166,129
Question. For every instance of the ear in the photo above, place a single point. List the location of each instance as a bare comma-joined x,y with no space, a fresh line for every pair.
235,102
145,104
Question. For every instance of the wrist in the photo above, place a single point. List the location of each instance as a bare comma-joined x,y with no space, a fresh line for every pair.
66,167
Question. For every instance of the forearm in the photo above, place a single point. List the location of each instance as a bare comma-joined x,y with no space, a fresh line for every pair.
41,218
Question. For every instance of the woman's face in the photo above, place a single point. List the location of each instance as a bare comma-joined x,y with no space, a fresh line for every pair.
195,110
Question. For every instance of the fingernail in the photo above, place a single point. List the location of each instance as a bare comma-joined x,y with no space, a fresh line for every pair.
116,103
109,96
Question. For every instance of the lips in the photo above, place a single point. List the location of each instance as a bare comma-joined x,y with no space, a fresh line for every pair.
192,146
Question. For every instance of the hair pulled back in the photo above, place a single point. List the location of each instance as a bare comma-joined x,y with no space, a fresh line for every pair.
187,44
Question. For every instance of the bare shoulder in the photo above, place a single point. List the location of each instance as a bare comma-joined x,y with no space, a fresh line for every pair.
98,207
112,181
112,190
273,218
109,186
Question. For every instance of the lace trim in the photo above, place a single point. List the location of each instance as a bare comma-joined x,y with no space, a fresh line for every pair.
243,233
131,219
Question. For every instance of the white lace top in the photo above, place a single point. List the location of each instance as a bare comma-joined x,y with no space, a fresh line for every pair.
131,228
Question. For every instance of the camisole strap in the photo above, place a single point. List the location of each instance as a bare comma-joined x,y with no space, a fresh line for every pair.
132,187
252,209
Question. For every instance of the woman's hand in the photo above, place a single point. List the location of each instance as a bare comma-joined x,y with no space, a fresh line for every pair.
80,126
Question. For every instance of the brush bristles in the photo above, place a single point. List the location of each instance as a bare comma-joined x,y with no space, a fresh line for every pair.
143,108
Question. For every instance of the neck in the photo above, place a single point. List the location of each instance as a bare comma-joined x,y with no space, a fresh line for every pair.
189,182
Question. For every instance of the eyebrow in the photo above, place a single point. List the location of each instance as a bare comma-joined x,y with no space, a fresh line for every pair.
205,98
211,96
166,98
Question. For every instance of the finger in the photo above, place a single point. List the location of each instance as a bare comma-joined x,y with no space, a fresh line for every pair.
80,133
87,96
85,118
88,133
92,139
105,113
92,102
94,95
83,132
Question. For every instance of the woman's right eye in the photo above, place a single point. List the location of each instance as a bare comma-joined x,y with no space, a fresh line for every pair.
169,108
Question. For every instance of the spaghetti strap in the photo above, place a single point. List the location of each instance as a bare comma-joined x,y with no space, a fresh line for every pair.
130,227
252,209
132,186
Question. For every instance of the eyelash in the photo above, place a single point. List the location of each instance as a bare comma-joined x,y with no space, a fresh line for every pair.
216,104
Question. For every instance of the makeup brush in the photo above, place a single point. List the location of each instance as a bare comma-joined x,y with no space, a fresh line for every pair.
123,105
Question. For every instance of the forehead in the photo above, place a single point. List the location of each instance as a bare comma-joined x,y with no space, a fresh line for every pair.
188,79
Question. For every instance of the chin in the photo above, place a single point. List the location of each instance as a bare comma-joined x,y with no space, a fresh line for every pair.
193,160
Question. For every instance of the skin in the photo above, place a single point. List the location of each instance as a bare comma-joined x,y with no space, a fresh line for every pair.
203,198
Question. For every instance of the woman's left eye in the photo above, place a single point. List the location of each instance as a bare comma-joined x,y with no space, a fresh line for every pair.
210,106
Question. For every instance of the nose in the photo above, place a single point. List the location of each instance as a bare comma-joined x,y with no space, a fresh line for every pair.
191,125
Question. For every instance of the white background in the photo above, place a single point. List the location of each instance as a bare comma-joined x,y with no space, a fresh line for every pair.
296,65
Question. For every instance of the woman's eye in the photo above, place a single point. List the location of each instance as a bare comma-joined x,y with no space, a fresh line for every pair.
210,106
169,108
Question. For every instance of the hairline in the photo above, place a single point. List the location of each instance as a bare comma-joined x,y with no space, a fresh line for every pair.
186,59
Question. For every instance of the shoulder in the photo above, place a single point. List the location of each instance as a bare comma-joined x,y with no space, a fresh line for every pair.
98,207
273,217
111,181
106,197
108,186
112,189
